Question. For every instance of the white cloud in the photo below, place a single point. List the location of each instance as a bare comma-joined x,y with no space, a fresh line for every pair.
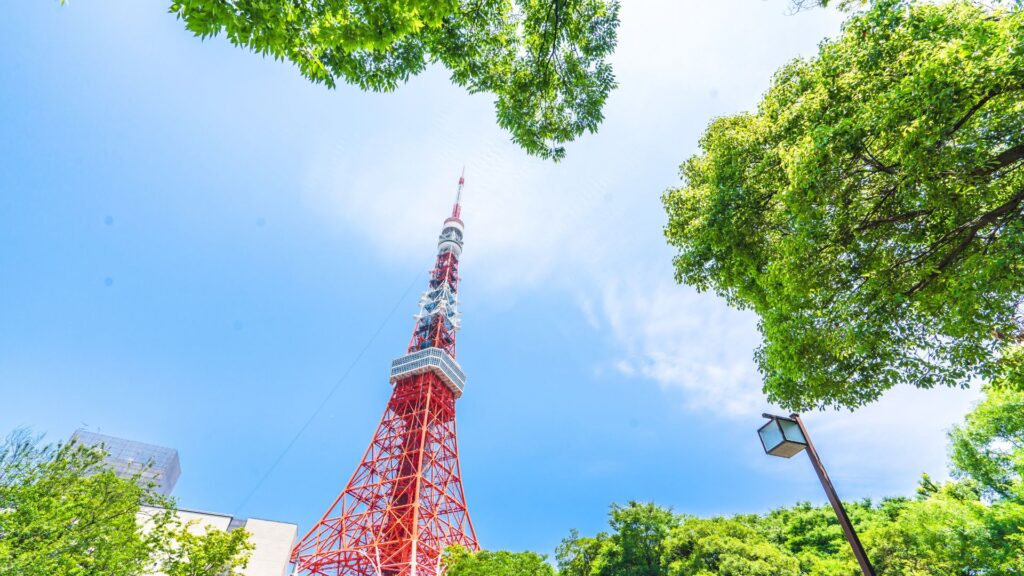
684,340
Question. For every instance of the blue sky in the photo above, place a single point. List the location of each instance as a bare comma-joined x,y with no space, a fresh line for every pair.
196,244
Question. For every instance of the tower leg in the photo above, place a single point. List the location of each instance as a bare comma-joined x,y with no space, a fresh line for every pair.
405,503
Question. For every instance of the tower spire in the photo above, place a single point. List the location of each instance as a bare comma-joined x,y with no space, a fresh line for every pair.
438,318
457,207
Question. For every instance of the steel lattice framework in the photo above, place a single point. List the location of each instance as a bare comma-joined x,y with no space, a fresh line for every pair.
405,504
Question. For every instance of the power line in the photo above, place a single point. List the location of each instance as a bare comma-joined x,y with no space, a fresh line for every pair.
327,398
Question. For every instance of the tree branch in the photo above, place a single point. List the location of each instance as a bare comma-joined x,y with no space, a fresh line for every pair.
892,219
886,194
1002,160
873,162
1007,209
970,113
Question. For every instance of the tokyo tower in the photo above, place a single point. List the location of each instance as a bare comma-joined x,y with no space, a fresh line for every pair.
404,504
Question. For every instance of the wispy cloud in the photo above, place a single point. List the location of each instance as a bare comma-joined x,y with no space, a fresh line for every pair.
684,340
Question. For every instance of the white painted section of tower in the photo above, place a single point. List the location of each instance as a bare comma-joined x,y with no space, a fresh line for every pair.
433,360
451,237
440,300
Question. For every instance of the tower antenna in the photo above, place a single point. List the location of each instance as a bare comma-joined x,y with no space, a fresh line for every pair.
457,208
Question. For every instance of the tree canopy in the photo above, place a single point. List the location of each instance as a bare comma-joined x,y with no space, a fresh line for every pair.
871,210
461,562
545,62
725,547
989,448
62,511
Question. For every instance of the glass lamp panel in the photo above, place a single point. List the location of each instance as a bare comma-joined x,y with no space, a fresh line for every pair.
771,435
791,430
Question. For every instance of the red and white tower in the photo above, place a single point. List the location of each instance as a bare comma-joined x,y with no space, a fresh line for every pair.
404,504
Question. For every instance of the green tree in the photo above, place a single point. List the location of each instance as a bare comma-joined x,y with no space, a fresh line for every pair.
989,447
63,512
951,532
460,562
576,556
949,529
1012,375
635,545
871,211
804,529
194,551
545,61
700,547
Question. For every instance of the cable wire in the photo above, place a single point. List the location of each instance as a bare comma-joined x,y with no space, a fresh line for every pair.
329,395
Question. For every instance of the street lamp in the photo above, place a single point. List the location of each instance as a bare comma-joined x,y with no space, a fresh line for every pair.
786,437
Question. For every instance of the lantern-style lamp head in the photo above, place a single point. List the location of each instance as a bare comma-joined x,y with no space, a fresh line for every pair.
782,436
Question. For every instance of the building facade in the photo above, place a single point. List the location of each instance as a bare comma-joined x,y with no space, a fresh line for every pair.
152,464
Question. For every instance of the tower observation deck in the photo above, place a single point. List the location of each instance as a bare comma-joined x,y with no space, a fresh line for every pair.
404,504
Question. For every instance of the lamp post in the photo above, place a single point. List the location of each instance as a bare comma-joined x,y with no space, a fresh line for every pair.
786,437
